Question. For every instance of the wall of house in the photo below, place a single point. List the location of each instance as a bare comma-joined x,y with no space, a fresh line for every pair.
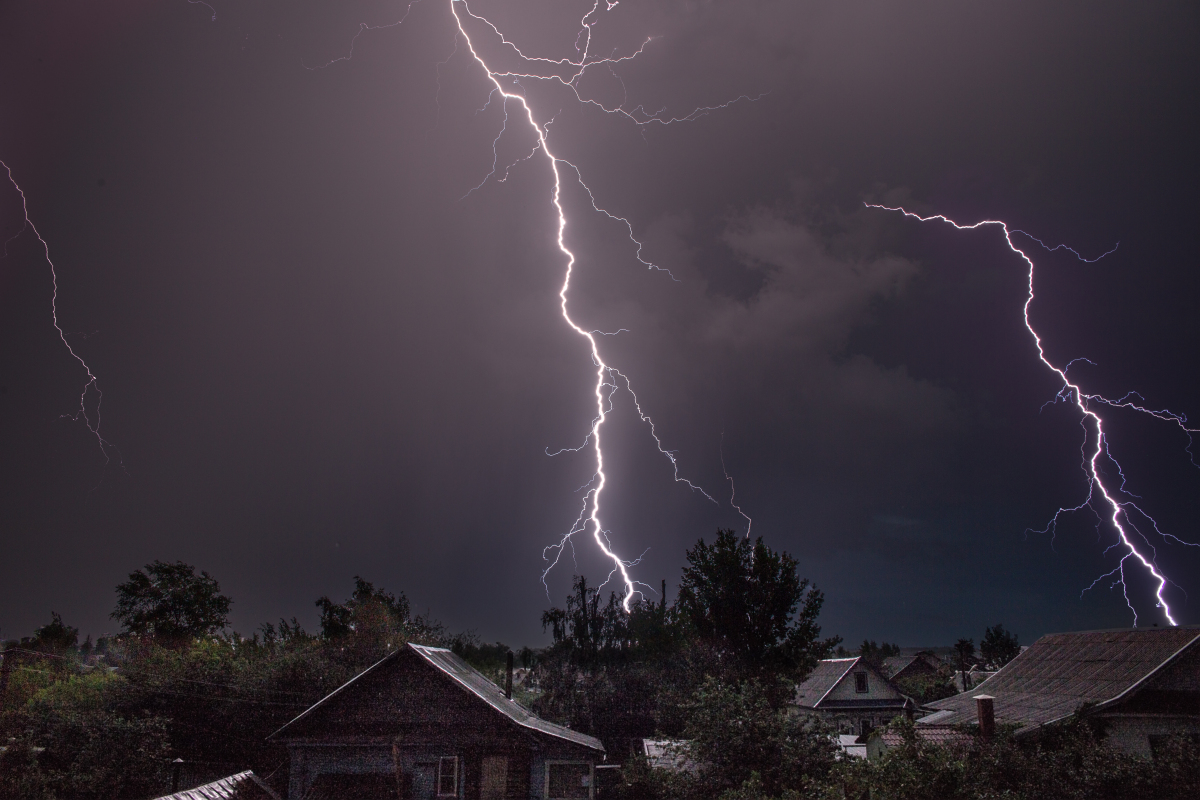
309,761
877,689
1131,733
526,776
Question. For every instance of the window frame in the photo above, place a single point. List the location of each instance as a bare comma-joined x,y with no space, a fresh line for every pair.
591,777
861,683
442,760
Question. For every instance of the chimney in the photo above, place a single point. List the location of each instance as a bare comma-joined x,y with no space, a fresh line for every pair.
176,768
909,709
508,680
987,715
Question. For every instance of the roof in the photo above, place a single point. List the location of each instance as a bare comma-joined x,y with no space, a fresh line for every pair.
1062,671
671,755
466,678
933,734
848,743
822,679
896,664
225,789
474,681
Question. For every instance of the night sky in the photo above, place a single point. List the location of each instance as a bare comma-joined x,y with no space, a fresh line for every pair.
321,357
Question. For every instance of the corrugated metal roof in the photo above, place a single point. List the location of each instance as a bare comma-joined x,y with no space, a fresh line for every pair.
848,743
223,789
672,755
894,664
934,734
1062,671
822,679
475,682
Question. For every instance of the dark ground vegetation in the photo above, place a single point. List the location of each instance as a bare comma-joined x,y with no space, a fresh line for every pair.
715,668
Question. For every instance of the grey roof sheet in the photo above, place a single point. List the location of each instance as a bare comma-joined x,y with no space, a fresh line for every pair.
934,734
672,755
893,664
822,679
1062,671
224,789
475,682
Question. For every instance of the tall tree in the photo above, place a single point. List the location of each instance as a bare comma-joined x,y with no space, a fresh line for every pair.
55,636
372,623
964,653
748,601
998,646
171,603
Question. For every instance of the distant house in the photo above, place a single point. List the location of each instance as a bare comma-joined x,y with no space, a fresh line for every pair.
914,666
421,723
1144,684
850,695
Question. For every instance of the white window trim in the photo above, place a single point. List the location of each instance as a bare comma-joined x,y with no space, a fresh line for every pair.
442,759
591,777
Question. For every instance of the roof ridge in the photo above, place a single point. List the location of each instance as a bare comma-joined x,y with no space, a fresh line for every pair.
840,678
522,718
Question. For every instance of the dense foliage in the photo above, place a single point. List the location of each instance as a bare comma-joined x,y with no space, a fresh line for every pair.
171,603
713,672
998,647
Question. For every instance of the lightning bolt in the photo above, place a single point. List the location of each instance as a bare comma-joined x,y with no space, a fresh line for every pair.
1098,494
507,88
91,384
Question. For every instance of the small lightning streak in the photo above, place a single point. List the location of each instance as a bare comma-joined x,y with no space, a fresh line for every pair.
607,376
1118,511
91,385
733,489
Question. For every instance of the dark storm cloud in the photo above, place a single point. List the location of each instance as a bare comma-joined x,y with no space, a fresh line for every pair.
322,357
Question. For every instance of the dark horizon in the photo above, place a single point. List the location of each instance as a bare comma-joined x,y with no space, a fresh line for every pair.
324,354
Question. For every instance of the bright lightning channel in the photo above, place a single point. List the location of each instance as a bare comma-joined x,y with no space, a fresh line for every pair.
91,384
1118,511
607,376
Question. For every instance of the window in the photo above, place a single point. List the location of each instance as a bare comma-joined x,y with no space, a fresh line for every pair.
568,780
447,778
860,682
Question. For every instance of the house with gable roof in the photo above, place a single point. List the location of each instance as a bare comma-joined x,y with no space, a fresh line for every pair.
1141,684
421,723
851,696
918,665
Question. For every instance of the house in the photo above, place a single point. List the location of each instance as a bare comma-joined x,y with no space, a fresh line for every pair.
1142,684
850,695
914,666
421,723
242,786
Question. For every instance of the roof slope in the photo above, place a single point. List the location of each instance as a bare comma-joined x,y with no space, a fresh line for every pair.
896,664
822,679
374,701
226,788
475,682
1062,671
